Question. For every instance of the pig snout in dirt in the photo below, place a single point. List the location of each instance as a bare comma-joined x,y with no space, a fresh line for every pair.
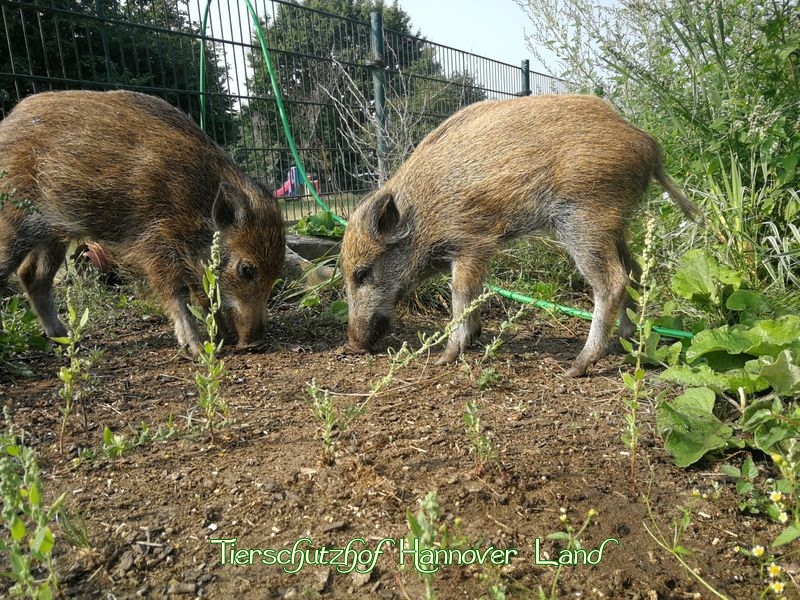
133,173
495,171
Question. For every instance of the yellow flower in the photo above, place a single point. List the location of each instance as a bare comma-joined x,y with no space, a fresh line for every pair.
758,551
777,459
777,586
592,513
776,496
783,517
774,570
695,492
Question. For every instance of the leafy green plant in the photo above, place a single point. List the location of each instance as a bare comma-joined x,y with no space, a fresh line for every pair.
673,546
482,445
78,382
320,224
424,528
208,383
488,378
28,539
19,330
571,538
322,408
635,383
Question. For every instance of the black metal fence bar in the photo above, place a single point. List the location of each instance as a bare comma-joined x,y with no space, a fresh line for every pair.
325,64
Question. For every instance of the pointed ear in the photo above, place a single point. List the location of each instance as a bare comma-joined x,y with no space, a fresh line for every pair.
228,209
384,216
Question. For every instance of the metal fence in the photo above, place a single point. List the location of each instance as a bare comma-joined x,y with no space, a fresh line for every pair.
340,77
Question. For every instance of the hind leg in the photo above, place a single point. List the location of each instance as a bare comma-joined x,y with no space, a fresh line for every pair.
600,263
36,273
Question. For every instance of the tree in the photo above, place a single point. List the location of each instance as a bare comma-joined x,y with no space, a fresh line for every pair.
715,78
718,83
322,56
138,44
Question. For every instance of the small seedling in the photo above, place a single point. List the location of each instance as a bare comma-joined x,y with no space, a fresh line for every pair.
572,541
27,540
424,528
674,546
76,378
209,398
481,444
322,407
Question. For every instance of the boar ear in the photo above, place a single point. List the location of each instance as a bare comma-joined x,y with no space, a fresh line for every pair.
228,209
384,217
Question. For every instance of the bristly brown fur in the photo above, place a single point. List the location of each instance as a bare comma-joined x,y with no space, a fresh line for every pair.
137,175
492,172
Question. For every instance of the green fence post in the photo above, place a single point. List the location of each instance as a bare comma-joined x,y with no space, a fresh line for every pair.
526,78
379,81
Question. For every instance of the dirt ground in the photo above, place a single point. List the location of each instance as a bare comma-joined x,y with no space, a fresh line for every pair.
151,514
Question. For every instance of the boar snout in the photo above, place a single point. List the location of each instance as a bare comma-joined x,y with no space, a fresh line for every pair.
364,337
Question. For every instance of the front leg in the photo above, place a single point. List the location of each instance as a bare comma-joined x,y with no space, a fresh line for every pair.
468,275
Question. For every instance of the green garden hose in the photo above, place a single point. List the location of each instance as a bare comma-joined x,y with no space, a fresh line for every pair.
543,304
278,100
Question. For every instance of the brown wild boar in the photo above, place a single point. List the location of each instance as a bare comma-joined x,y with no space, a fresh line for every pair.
495,171
137,175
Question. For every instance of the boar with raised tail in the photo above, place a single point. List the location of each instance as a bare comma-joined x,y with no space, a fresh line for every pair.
137,175
495,171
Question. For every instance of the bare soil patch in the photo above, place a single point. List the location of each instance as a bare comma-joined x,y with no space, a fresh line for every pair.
150,515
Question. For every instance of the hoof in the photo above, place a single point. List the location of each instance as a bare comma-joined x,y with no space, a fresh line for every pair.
447,357
350,349
575,371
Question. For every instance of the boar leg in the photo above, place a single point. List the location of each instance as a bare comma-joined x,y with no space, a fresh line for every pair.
468,274
166,281
600,262
36,274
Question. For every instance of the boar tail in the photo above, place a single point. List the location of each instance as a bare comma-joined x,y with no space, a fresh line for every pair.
688,207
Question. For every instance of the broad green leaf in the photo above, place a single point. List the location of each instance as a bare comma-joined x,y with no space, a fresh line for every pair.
750,303
791,533
783,375
44,592
17,528
699,276
703,375
769,336
558,535
43,542
35,495
690,428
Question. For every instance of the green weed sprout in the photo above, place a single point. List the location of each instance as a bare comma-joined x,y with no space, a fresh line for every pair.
28,540
674,546
76,378
209,399
481,444
635,383
322,407
490,377
572,539
424,529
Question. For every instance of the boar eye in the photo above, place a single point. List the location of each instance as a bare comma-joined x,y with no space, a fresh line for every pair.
361,274
247,271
